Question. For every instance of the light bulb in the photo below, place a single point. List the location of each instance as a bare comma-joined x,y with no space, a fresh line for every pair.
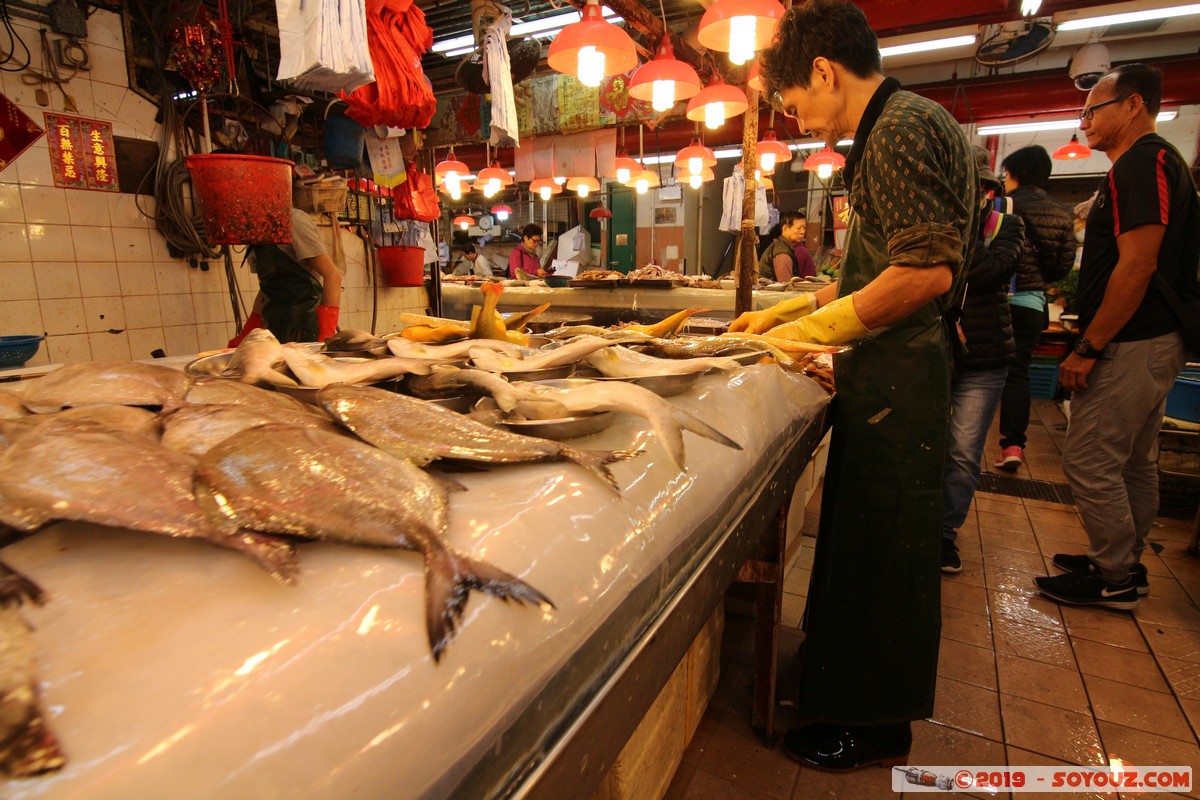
544,192
662,95
494,184
502,215
560,179
456,191
590,66
450,181
582,189
741,39
695,165
462,225
767,162
642,185
695,180
824,171
714,115
490,190
623,176
758,176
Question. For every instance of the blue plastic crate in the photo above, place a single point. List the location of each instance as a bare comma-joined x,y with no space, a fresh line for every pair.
1043,381
1184,400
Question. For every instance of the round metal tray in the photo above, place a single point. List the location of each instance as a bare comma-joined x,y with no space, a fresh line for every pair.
565,428
661,385
550,373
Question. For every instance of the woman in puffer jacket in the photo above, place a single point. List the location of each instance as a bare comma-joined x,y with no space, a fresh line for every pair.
1048,256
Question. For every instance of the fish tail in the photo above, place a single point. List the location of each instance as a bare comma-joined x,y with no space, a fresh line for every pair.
273,553
449,578
690,422
276,378
597,461
16,589
35,750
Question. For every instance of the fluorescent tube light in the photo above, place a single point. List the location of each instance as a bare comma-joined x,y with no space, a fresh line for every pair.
736,152
1132,16
546,26
921,47
1054,125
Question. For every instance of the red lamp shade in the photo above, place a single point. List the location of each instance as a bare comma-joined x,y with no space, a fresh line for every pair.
716,103
463,221
450,164
645,180
1072,150
545,187
600,213
665,80
495,173
824,162
592,49
771,151
583,186
695,157
739,27
695,179
502,212
624,168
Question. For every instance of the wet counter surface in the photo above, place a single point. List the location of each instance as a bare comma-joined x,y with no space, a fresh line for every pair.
173,669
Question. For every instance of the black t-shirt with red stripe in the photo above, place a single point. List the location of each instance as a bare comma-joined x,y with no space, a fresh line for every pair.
1149,185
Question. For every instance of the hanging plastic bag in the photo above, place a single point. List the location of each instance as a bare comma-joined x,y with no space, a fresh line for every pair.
323,45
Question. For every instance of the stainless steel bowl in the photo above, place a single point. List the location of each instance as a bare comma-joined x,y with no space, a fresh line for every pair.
661,385
563,371
209,366
565,428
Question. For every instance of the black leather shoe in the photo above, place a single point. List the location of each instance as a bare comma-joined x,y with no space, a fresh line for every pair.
841,748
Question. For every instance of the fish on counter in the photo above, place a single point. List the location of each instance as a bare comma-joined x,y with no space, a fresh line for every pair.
351,340
425,333
11,406
340,489
691,347
90,475
450,381
422,432
128,383
666,327
486,322
257,360
316,370
106,416
621,362
409,320
27,746
194,430
516,322
569,353
786,345
402,348
217,391
573,331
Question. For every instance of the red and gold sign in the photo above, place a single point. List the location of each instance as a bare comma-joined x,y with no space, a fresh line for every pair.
17,131
82,153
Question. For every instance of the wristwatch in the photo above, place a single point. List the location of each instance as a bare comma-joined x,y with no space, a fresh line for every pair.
1083,349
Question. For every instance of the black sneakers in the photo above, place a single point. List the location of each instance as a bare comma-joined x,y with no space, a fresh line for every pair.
1069,563
950,560
1089,589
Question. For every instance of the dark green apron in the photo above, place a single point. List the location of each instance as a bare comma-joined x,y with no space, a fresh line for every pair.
873,618
290,295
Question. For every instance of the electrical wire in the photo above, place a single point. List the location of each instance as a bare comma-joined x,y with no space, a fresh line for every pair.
14,39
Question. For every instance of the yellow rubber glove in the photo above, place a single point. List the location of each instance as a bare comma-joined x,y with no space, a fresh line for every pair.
763,321
834,323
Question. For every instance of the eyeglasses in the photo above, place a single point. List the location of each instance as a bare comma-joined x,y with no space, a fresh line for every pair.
778,105
534,239
1090,111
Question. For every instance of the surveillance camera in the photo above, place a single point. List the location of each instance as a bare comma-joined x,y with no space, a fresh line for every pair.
1089,65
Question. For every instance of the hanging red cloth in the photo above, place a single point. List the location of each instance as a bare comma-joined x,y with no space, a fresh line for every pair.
401,96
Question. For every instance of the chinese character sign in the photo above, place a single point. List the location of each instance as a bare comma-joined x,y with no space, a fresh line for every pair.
17,131
82,153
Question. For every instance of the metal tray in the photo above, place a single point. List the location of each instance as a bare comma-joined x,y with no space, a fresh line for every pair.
565,428
549,373
661,385
655,283
602,283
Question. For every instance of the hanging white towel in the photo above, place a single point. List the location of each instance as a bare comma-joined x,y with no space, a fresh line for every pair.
323,45
497,71
733,194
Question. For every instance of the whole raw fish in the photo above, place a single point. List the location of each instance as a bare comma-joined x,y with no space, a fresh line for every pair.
112,418
420,431
690,347
194,430
219,391
351,339
314,369
316,484
487,323
122,481
516,322
257,360
409,320
786,345
573,331
424,333
11,406
128,383
445,381
621,362
402,348
569,353
668,326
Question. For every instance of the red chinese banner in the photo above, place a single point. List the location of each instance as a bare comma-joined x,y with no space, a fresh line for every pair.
17,131
82,153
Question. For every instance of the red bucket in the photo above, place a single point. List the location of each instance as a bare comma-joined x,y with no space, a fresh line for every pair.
402,266
244,199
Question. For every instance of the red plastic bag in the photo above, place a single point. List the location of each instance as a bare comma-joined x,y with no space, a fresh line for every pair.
416,198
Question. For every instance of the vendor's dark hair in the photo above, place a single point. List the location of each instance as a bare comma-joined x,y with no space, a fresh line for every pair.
789,218
531,230
1030,165
469,247
837,30
1142,80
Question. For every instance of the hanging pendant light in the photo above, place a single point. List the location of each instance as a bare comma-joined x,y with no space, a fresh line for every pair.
502,212
664,80
695,157
545,187
583,186
824,162
592,49
449,173
771,151
463,221
755,79
646,180
716,103
1073,150
494,179
739,27
695,179
625,167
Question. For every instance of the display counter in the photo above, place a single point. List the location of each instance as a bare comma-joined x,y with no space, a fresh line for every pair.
174,669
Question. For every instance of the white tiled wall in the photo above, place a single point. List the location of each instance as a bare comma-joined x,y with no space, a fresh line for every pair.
89,271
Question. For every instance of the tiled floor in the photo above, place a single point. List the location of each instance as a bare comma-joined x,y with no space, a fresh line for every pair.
1022,681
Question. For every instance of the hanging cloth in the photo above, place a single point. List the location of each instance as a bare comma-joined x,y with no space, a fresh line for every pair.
497,70
323,46
732,193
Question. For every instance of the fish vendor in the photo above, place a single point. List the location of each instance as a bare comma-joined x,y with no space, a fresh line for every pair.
524,256
873,618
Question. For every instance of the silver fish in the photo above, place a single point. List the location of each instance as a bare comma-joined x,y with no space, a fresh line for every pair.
712,346
403,348
621,362
128,383
107,417
446,380
572,331
412,429
27,746
351,339
194,430
316,370
95,476
257,360
569,353
668,421
219,391
268,479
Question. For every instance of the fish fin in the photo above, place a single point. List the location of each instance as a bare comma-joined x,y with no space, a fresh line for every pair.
449,578
597,461
35,750
447,483
16,589
276,378
273,553
690,422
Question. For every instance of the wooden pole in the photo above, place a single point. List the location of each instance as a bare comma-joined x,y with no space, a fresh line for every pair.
747,262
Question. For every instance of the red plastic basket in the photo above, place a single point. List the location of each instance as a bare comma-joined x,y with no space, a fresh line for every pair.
244,199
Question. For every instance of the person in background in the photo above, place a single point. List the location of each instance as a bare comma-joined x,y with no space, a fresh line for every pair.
473,262
299,287
778,262
873,619
980,367
524,256
1140,231
1048,257
805,266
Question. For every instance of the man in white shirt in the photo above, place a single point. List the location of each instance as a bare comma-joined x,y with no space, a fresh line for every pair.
473,262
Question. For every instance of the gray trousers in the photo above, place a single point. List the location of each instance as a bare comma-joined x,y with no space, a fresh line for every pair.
1111,455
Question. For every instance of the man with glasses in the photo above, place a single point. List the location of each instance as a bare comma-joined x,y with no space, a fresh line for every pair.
1130,348
524,256
873,617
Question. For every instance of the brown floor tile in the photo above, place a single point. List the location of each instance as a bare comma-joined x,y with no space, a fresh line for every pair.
1142,749
1165,587
1044,683
1184,677
1024,758
796,581
1167,611
738,755
1173,642
1007,579
1191,709
1052,517
679,782
1186,568
991,521
1000,504
938,745
1053,731
962,662
1174,530
1019,553
793,610
969,548
1025,609
1101,625
1133,707
867,782
1074,534
698,746
1193,590
1155,565
972,574
1119,664
964,597
704,785
1047,504
963,626
1045,645
1051,546
967,708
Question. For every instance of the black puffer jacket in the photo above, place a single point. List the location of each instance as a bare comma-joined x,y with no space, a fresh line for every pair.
986,315
1049,236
